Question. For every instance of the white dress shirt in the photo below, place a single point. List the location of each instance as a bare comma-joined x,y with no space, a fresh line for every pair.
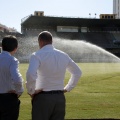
47,70
10,77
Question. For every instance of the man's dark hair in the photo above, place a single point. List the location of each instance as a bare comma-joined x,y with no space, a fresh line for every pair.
45,36
9,43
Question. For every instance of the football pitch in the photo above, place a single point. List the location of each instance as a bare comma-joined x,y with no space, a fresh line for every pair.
96,96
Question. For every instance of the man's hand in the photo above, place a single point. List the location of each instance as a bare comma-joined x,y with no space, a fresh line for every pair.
64,91
36,92
12,91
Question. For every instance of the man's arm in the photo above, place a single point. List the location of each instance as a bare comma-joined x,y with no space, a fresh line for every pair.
75,75
16,77
31,74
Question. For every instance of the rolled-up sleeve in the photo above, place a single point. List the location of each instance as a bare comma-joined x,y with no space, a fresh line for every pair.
76,73
16,76
31,74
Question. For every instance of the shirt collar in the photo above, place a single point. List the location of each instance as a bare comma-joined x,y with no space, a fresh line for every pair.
47,47
5,52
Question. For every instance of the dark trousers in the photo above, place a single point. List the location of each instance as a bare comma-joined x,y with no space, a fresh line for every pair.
9,106
48,106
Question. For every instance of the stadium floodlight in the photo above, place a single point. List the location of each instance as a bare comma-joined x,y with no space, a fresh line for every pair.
95,15
90,15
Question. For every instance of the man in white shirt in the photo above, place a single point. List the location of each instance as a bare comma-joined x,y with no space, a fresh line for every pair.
45,79
11,82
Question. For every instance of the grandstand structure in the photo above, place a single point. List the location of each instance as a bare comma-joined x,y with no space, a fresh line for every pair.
103,31
116,8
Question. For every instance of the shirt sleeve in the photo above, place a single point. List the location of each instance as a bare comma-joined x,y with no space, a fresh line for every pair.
16,77
31,74
76,73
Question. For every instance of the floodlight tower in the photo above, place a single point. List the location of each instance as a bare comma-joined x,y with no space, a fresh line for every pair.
116,8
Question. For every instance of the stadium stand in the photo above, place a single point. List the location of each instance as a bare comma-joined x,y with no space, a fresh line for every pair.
101,39
117,36
101,32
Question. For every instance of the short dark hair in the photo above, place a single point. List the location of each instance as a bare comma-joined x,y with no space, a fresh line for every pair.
9,43
45,36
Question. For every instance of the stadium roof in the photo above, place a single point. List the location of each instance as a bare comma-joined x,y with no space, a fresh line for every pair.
64,21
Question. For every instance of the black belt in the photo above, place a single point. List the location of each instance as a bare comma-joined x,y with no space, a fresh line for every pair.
51,92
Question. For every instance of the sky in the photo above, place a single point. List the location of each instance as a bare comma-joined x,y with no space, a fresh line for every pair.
12,11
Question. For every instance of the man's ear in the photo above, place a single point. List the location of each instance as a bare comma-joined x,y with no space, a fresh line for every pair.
41,43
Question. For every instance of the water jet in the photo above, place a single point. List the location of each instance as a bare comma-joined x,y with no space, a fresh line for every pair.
78,50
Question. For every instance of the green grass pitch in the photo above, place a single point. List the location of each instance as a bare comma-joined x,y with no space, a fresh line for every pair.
96,96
